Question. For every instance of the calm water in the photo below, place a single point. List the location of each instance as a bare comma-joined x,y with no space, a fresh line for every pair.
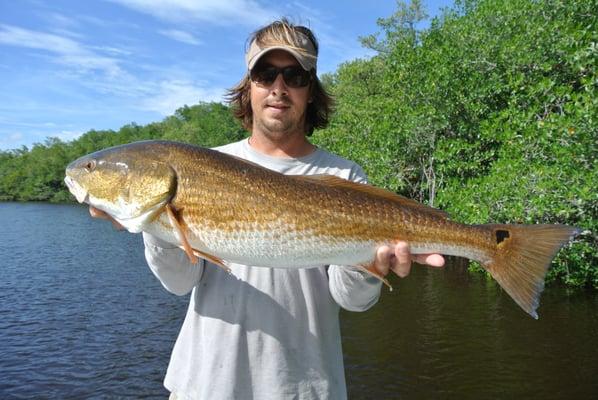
81,316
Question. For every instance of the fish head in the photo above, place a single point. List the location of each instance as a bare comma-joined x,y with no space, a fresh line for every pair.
129,182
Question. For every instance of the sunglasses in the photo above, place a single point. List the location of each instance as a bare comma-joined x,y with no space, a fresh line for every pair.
293,76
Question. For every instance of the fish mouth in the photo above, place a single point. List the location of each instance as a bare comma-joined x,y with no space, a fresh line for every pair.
76,190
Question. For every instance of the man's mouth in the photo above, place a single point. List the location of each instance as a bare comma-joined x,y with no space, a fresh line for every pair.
277,106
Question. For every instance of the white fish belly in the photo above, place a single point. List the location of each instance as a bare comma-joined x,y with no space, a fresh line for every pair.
286,250
275,247
281,246
451,250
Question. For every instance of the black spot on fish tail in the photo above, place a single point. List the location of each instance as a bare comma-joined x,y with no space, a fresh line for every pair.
502,235
522,258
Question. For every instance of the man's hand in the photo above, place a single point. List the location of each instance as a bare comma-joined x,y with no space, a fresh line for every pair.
94,212
398,259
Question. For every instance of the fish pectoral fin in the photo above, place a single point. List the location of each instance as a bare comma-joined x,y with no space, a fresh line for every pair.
179,233
213,259
371,270
192,253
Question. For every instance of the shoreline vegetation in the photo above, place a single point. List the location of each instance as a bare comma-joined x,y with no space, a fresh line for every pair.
490,113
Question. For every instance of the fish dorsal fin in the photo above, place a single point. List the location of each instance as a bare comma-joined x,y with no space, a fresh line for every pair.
334,181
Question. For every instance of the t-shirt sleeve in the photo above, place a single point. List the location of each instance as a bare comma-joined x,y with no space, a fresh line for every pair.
353,289
171,265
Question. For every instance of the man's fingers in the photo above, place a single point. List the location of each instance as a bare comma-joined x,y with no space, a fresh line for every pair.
117,225
402,262
95,213
382,263
433,260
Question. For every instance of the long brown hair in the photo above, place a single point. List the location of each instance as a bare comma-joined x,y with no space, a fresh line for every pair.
321,106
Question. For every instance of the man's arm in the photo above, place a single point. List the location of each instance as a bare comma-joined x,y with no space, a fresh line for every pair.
169,263
352,288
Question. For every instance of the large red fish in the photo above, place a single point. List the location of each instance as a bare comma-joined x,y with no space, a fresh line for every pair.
228,210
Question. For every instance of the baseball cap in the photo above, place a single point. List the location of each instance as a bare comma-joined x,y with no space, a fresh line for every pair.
304,53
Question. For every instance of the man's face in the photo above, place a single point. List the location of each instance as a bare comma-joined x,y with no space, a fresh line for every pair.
278,110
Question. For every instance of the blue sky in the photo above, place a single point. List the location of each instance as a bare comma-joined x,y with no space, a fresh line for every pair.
68,66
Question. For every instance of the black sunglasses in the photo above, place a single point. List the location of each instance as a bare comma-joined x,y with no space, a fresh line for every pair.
294,76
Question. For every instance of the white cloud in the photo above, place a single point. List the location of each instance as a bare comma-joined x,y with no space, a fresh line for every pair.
216,12
14,136
181,36
114,24
11,140
113,50
16,36
170,95
68,51
9,122
66,135
15,140
60,20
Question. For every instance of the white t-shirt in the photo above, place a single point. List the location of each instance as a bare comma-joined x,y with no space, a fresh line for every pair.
262,333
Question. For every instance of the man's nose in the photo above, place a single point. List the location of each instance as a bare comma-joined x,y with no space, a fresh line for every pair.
279,86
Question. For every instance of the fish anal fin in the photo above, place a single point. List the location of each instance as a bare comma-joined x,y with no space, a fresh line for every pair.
334,181
174,217
371,270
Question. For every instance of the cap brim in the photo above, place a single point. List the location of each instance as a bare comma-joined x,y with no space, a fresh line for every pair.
307,62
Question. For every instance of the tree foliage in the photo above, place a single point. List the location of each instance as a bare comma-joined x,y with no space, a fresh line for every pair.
489,113
37,174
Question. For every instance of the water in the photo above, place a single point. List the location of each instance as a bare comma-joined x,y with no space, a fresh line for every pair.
82,316
448,334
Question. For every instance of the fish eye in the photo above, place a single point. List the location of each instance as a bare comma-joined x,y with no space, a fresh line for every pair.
90,165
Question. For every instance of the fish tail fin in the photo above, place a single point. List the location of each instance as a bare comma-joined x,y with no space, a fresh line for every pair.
522,257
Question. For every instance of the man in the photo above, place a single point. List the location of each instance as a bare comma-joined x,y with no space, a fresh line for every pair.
271,333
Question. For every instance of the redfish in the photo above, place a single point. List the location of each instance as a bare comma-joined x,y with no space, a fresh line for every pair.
225,209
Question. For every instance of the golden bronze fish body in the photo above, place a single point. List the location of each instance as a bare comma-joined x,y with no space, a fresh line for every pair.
229,209
248,214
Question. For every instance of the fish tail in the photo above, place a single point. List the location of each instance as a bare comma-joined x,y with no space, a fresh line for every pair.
522,257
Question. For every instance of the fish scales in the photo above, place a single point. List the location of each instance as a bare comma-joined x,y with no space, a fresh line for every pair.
288,209
226,209
322,210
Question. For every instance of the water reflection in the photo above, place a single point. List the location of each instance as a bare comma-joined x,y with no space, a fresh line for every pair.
81,316
447,334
